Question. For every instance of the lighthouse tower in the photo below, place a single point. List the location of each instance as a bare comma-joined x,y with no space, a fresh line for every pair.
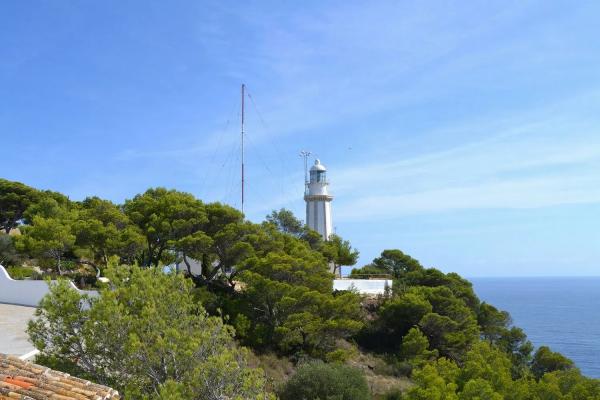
318,201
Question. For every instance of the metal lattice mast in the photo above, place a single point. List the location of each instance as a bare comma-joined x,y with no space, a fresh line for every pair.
305,154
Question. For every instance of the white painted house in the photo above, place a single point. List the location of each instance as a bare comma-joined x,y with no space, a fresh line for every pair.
364,286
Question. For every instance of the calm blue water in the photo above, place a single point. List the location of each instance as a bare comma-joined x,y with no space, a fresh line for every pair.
563,313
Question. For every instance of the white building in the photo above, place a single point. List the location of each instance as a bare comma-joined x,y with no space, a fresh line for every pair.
318,201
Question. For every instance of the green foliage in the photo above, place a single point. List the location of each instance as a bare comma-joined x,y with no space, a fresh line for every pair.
15,198
479,389
435,381
336,250
492,322
489,364
451,327
319,381
8,253
545,360
394,394
285,301
339,355
396,262
47,204
339,252
514,343
20,272
446,321
103,231
220,244
391,262
486,374
495,329
48,239
431,277
164,217
483,356
286,222
295,317
415,347
400,314
143,335
148,336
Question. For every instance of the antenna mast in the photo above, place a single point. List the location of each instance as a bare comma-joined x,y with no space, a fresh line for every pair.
305,154
243,95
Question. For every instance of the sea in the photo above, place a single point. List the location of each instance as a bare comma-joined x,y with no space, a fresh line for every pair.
562,313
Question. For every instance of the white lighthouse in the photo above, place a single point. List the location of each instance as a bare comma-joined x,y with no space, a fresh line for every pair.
318,201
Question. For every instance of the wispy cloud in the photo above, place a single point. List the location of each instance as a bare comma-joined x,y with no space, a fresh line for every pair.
532,162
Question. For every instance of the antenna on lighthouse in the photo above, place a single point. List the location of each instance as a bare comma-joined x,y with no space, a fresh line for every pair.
242,134
305,154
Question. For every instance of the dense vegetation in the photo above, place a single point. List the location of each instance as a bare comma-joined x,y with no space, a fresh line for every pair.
265,286
145,335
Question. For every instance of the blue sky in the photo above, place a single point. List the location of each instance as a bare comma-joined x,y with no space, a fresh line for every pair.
466,134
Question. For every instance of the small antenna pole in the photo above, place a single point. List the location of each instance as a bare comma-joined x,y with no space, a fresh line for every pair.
305,154
243,96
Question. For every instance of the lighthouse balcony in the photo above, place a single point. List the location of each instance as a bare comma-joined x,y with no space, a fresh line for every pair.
318,197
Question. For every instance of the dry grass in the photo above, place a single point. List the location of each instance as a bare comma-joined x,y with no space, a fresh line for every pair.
277,370
381,377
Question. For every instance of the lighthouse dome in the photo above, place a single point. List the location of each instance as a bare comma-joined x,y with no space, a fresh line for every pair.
318,166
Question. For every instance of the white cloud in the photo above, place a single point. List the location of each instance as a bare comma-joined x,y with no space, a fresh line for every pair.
521,193
532,162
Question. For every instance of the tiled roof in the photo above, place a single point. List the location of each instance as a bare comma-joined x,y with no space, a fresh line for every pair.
27,381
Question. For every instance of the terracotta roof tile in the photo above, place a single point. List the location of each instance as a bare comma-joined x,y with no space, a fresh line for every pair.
27,381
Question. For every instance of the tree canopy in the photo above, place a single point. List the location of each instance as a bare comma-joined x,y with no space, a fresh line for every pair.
391,262
164,217
15,198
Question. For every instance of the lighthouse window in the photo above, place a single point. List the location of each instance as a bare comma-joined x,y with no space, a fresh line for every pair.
317,176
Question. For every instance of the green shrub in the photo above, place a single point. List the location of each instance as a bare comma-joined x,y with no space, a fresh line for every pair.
395,394
20,272
339,355
145,322
8,254
404,368
320,381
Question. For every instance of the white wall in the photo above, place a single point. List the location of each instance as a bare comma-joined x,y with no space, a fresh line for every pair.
364,286
25,292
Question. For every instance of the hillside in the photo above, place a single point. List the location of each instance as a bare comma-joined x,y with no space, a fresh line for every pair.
263,299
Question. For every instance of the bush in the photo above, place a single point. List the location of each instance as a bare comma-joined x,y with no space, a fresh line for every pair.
320,381
8,253
393,395
145,336
20,272
339,355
